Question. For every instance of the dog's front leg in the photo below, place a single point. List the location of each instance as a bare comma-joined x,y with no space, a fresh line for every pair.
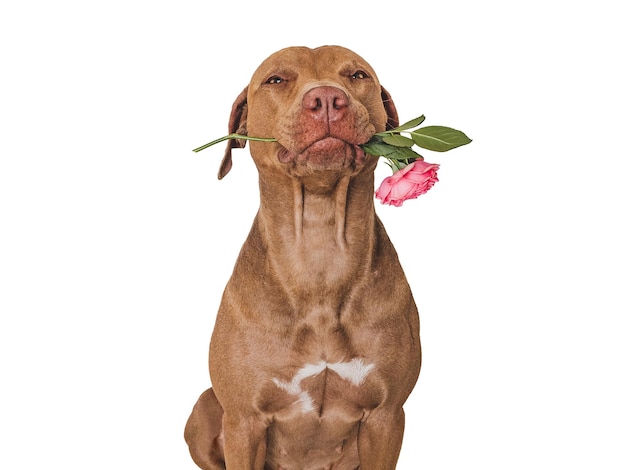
244,442
380,439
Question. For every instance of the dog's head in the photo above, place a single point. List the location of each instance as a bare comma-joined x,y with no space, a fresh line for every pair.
320,104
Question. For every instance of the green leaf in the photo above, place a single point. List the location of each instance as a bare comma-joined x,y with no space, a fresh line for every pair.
397,140
376,138
409,125
403,153
439,138
378,149
395,165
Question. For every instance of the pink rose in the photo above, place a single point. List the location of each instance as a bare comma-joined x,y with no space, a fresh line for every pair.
408,183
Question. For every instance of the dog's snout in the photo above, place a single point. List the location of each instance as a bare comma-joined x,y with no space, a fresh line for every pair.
326,103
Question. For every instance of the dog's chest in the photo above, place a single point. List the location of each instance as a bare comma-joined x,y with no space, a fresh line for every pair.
316,410
324,383
317,370
321,379
323,389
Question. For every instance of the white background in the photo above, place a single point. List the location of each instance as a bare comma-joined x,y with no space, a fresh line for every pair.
117,240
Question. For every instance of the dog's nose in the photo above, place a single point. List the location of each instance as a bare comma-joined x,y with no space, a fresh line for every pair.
325,103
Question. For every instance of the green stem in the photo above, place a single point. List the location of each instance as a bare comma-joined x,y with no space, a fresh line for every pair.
235,136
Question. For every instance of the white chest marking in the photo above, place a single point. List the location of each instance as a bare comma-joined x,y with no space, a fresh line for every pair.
354,372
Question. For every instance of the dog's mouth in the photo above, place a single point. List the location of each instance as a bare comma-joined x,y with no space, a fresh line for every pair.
327,153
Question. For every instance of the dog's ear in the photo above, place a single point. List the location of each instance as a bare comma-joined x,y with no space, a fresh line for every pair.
236,125
392,113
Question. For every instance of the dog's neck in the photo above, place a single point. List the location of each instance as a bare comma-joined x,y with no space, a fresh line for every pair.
322,234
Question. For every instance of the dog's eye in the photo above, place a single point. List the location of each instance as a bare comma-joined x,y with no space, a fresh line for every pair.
274,80
359,75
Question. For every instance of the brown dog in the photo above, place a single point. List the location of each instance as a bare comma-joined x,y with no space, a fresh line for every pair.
316,343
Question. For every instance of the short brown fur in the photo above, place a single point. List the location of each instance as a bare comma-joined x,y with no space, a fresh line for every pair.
317,280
